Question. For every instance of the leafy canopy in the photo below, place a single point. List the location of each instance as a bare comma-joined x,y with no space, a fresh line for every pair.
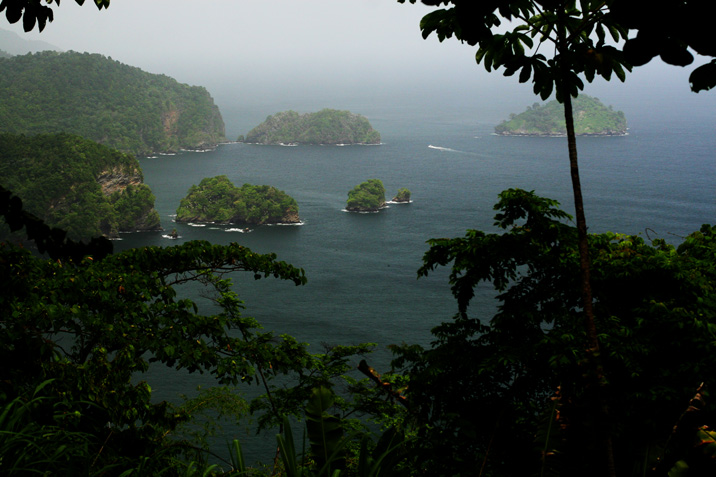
674,32
366,196
76,184
106,101
519,372
216,199
577,33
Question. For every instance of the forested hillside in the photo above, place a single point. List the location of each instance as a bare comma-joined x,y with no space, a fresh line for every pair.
76,184
328,126
101,99
591,118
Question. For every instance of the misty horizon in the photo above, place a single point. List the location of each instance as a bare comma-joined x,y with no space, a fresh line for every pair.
277,55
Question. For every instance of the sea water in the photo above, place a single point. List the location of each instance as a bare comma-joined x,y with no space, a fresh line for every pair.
362,283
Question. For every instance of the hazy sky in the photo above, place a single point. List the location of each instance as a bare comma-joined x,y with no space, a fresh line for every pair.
281,42
249,51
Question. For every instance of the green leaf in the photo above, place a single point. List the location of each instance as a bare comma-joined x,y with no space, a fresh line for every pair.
325,431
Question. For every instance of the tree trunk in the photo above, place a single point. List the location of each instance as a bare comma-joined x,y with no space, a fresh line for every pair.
583,244
597,380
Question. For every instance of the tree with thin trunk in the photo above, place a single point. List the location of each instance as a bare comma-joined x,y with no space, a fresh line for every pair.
554,44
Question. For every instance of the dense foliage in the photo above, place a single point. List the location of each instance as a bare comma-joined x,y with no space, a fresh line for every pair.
591,117
674,32
514,395
366,196
81,330
78,185
523,374
114,104
216,199
82,333
328,126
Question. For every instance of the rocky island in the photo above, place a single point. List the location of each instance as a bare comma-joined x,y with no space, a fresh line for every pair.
368,196
217,200
591,118
326,127
402,196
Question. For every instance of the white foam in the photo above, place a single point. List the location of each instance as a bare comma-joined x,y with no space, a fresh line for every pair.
439,148
363,211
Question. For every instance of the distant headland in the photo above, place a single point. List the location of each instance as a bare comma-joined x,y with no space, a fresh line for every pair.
591,118
326,127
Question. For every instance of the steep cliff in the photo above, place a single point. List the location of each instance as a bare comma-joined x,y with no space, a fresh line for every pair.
328,126
101,99
78,185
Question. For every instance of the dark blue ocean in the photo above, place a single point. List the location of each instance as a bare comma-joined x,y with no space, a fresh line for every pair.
361,268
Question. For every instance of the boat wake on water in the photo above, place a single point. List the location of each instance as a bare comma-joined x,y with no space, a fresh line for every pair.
448,149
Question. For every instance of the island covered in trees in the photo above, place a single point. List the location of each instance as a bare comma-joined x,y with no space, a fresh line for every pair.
327,127
368,196
78,185
106,101
403,195
591,118
218,200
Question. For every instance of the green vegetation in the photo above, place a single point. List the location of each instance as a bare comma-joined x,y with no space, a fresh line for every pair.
575,37
216,199
591,118
368,196
523,373
327,126
78,185
84,331
100,99
403,195
524,393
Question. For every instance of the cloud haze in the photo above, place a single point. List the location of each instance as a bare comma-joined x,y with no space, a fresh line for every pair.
280,51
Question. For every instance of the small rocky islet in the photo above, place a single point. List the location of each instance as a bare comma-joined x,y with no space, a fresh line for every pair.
369,196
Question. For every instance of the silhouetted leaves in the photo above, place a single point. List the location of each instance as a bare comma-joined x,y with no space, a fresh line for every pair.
35,12
671,31
535,27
